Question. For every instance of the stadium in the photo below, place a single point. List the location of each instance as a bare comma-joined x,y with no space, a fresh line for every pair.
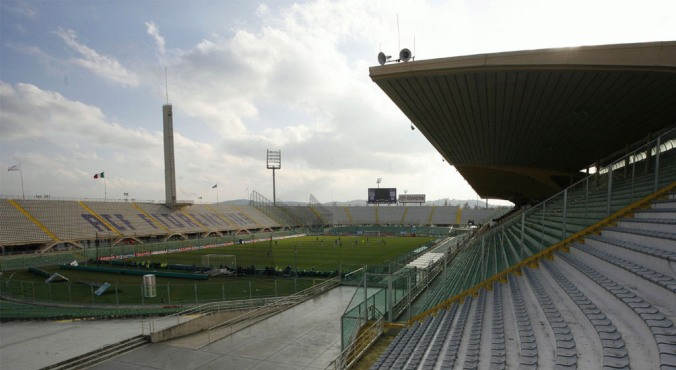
580,273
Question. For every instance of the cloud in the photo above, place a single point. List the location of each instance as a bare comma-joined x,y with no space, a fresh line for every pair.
21,8
31,113
103,66
292,85
68,141
154,32
296,81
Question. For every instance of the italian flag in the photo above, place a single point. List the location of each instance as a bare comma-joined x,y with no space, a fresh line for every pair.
99,175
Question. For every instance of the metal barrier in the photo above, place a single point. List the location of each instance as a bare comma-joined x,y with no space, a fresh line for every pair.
350,355
256,307
276,306
610,192
150,327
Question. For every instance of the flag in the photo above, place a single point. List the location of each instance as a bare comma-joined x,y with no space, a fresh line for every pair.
99,175
215,186
14,168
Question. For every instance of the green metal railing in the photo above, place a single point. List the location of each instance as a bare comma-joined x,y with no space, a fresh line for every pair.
624,181
132,295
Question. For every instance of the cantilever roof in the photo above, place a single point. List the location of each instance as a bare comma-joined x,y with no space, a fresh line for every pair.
520,125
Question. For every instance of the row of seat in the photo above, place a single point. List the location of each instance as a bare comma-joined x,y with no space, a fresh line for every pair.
546,224
578,296
411,215
48,221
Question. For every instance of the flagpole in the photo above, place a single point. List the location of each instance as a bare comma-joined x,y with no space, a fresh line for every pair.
105,188
23,195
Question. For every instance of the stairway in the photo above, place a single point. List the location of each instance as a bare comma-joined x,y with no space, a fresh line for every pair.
100,355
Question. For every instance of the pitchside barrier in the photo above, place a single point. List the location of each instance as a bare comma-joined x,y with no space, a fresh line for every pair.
123,251
112,270
169,294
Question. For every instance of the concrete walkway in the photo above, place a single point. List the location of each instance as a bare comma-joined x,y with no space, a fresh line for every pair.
306,336
30,345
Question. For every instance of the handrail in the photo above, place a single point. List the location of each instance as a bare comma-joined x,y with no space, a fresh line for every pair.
283,302
205,308
350,355
536,232
546,253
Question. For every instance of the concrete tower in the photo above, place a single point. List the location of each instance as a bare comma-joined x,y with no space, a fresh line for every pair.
169,163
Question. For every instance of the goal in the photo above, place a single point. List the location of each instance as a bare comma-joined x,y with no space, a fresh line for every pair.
219,261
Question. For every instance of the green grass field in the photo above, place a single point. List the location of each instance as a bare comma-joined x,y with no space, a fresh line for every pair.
311,253
319,253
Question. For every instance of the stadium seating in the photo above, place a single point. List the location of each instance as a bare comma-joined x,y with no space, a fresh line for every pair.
18,229
392,215
65,219
245,217
44,223
363,215
607,303
125,218
411,215
418,215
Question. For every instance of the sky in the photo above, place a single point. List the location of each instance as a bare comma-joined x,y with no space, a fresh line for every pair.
82,84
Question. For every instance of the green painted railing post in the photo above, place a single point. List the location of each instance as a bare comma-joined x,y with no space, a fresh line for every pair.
565,209
586,199
610,189
657,164
523,227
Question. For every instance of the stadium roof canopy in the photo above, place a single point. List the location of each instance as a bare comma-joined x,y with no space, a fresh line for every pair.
522,125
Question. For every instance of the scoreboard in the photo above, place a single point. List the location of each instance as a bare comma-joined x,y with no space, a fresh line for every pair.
382,195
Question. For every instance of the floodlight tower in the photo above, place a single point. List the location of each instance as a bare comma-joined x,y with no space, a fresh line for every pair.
274,163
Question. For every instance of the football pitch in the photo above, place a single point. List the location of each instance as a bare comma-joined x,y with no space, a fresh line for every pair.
310,255
321,253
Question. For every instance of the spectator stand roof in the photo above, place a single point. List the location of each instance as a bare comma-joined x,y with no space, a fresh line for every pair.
522,125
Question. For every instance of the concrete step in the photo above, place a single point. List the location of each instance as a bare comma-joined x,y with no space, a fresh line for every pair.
665,203
661,260
663,240
657,213
94,357
649,224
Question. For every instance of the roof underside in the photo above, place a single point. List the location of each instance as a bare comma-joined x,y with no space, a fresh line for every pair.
521,125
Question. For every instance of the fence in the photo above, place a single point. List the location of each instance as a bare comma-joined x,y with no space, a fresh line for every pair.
624,181
83,294
22,262
165,328
387,290
358,347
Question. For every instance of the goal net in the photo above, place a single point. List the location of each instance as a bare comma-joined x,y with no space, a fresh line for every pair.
220,261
